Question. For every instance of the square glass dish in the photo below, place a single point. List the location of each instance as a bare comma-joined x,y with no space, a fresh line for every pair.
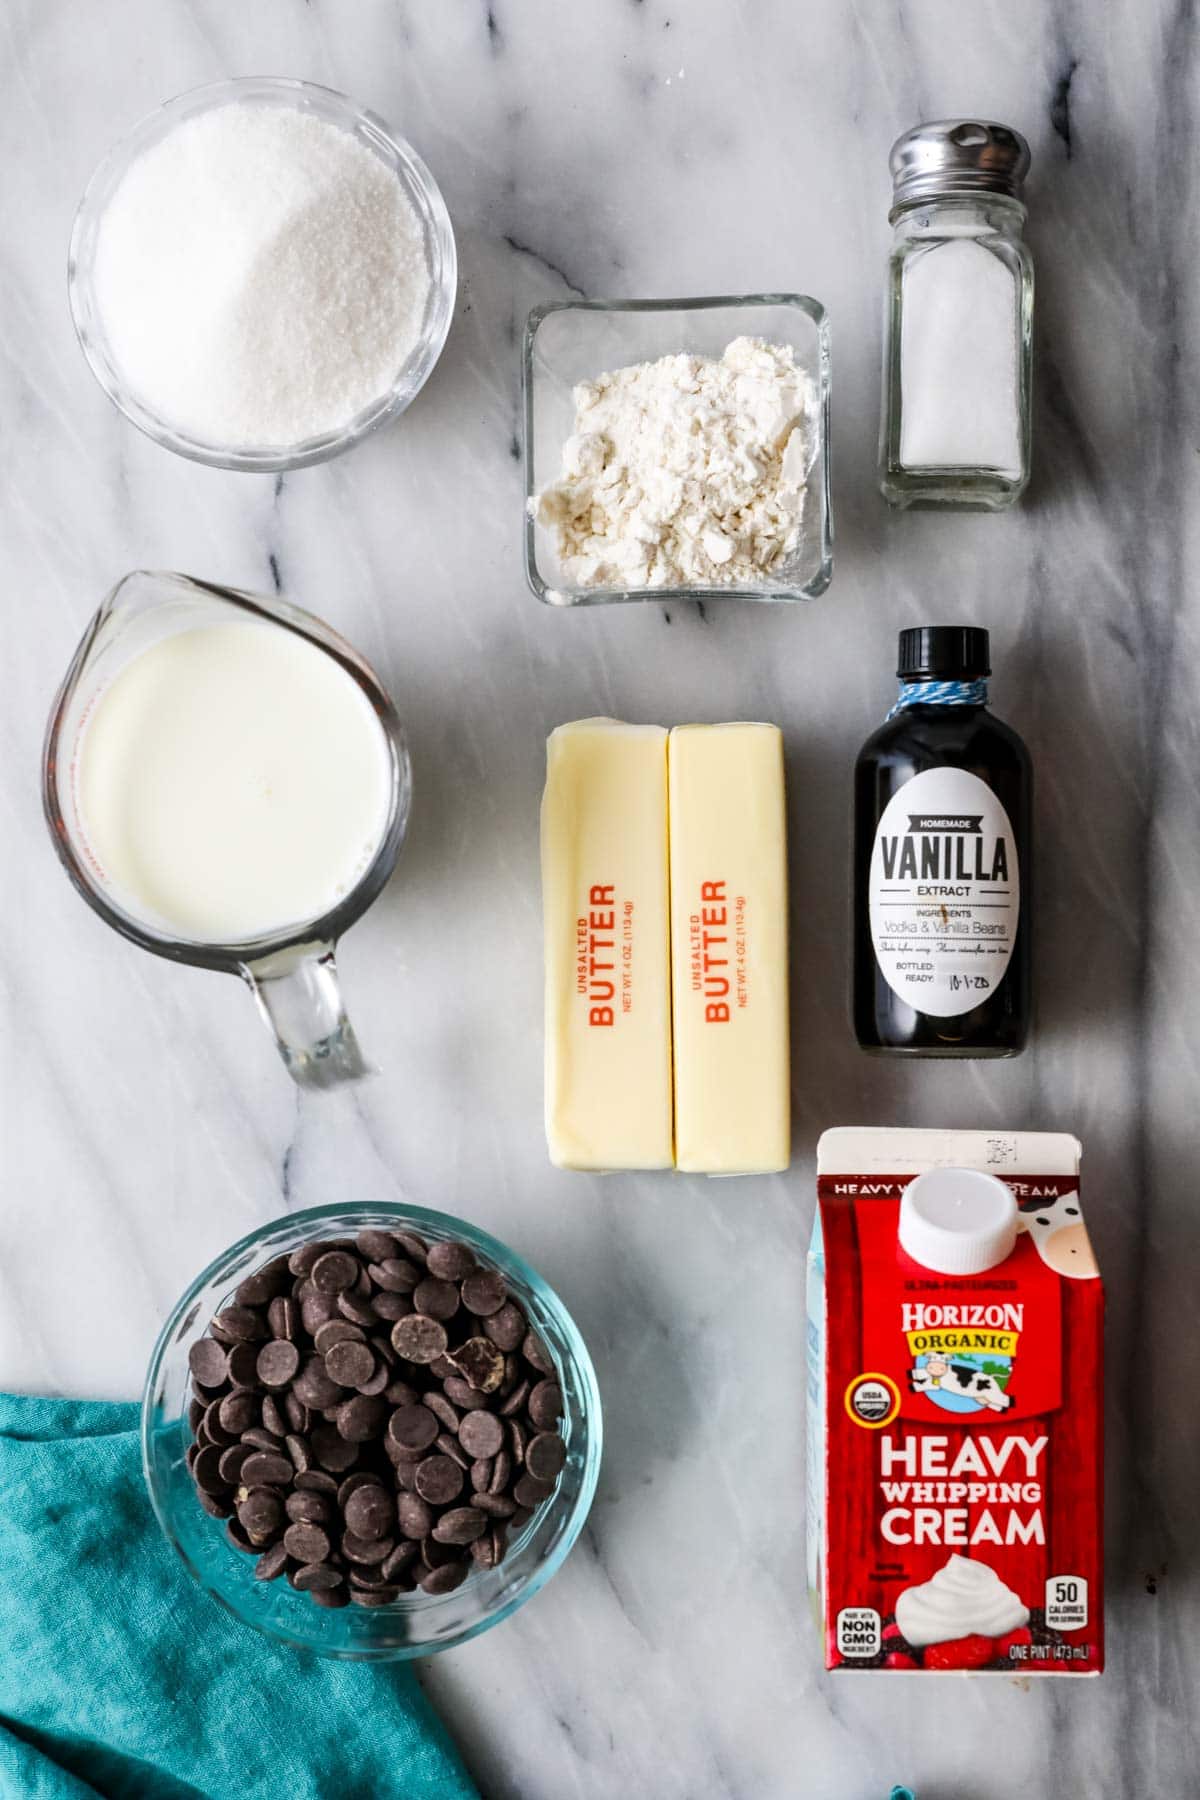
576,340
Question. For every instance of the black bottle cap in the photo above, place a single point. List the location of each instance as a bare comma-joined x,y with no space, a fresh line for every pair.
944,653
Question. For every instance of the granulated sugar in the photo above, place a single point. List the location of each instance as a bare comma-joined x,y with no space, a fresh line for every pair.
261,276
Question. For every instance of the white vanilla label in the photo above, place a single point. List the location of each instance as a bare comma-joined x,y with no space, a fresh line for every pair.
944,892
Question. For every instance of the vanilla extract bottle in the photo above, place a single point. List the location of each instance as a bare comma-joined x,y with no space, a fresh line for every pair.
943,808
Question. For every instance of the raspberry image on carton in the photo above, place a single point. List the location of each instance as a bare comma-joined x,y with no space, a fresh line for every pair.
955,1335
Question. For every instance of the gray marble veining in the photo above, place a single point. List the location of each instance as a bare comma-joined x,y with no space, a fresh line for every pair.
652,148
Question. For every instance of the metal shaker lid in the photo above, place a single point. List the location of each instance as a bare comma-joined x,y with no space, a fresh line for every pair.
956,156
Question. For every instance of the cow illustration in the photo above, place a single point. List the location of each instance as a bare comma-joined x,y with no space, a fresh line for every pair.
961,1379
1059,1235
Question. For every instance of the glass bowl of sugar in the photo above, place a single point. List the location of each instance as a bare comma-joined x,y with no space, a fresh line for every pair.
261,273
677,449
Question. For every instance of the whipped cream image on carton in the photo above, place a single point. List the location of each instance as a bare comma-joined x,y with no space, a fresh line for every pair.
955,1405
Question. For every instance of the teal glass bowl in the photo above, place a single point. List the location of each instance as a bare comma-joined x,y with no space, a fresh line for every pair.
416,1624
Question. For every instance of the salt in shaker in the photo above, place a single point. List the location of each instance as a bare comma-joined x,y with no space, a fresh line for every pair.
957,347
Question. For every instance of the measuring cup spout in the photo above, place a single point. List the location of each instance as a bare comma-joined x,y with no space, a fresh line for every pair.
298,995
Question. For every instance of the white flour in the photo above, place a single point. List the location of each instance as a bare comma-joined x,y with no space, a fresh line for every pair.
261,276
685,472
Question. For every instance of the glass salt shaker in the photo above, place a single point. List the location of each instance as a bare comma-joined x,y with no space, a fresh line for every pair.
958,332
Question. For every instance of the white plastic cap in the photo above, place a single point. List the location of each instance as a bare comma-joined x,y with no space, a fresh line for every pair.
957,1221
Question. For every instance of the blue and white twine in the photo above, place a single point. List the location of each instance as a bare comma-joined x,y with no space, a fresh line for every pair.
939,693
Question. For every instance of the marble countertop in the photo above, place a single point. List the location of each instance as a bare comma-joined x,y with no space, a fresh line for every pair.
650,149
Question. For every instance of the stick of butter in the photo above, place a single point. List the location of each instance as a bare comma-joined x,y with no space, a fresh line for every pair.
729,949
607,942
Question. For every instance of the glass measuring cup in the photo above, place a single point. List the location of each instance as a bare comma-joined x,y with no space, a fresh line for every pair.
291,972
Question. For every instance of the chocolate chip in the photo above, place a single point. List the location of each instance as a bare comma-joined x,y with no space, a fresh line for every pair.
376,1246
309,1509
283,1316
414,1515
333,1598
545,1455
373,1596
206,1470
303,1257
316,1310
296,1412
271,1563
376,1382
314,1387
406,1552
515,1401
297,1449
392,1306
261,1513
395,1275
261,1439
236,1532
484,1292
461,1525
442,1410
481,1434
241,1324
265,1469
483,1551
208,1361
316,1578
350,1363
545,1405
418,1339
361,1418
445,1579
370,1511
536,1354
481,1474
316,1481
337,1331
517,1438
332,1450
449,1260
436,1299
480,1364
358,1310
450,1446
463,1395
412,1428
496,1506
438,1480
212,1430
364,1576
366,1550
277,1363
531,1492
257,1289
274,1419
232,1462
334,1272
307,1542
506,1328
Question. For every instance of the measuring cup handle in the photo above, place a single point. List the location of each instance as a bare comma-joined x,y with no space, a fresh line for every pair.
297,993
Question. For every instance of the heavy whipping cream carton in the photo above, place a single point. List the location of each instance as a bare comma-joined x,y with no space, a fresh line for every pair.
955,1345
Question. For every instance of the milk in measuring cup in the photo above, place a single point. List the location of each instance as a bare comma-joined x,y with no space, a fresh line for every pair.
232,781
955,1405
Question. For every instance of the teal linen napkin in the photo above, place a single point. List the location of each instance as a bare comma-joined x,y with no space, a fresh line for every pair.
120,1677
